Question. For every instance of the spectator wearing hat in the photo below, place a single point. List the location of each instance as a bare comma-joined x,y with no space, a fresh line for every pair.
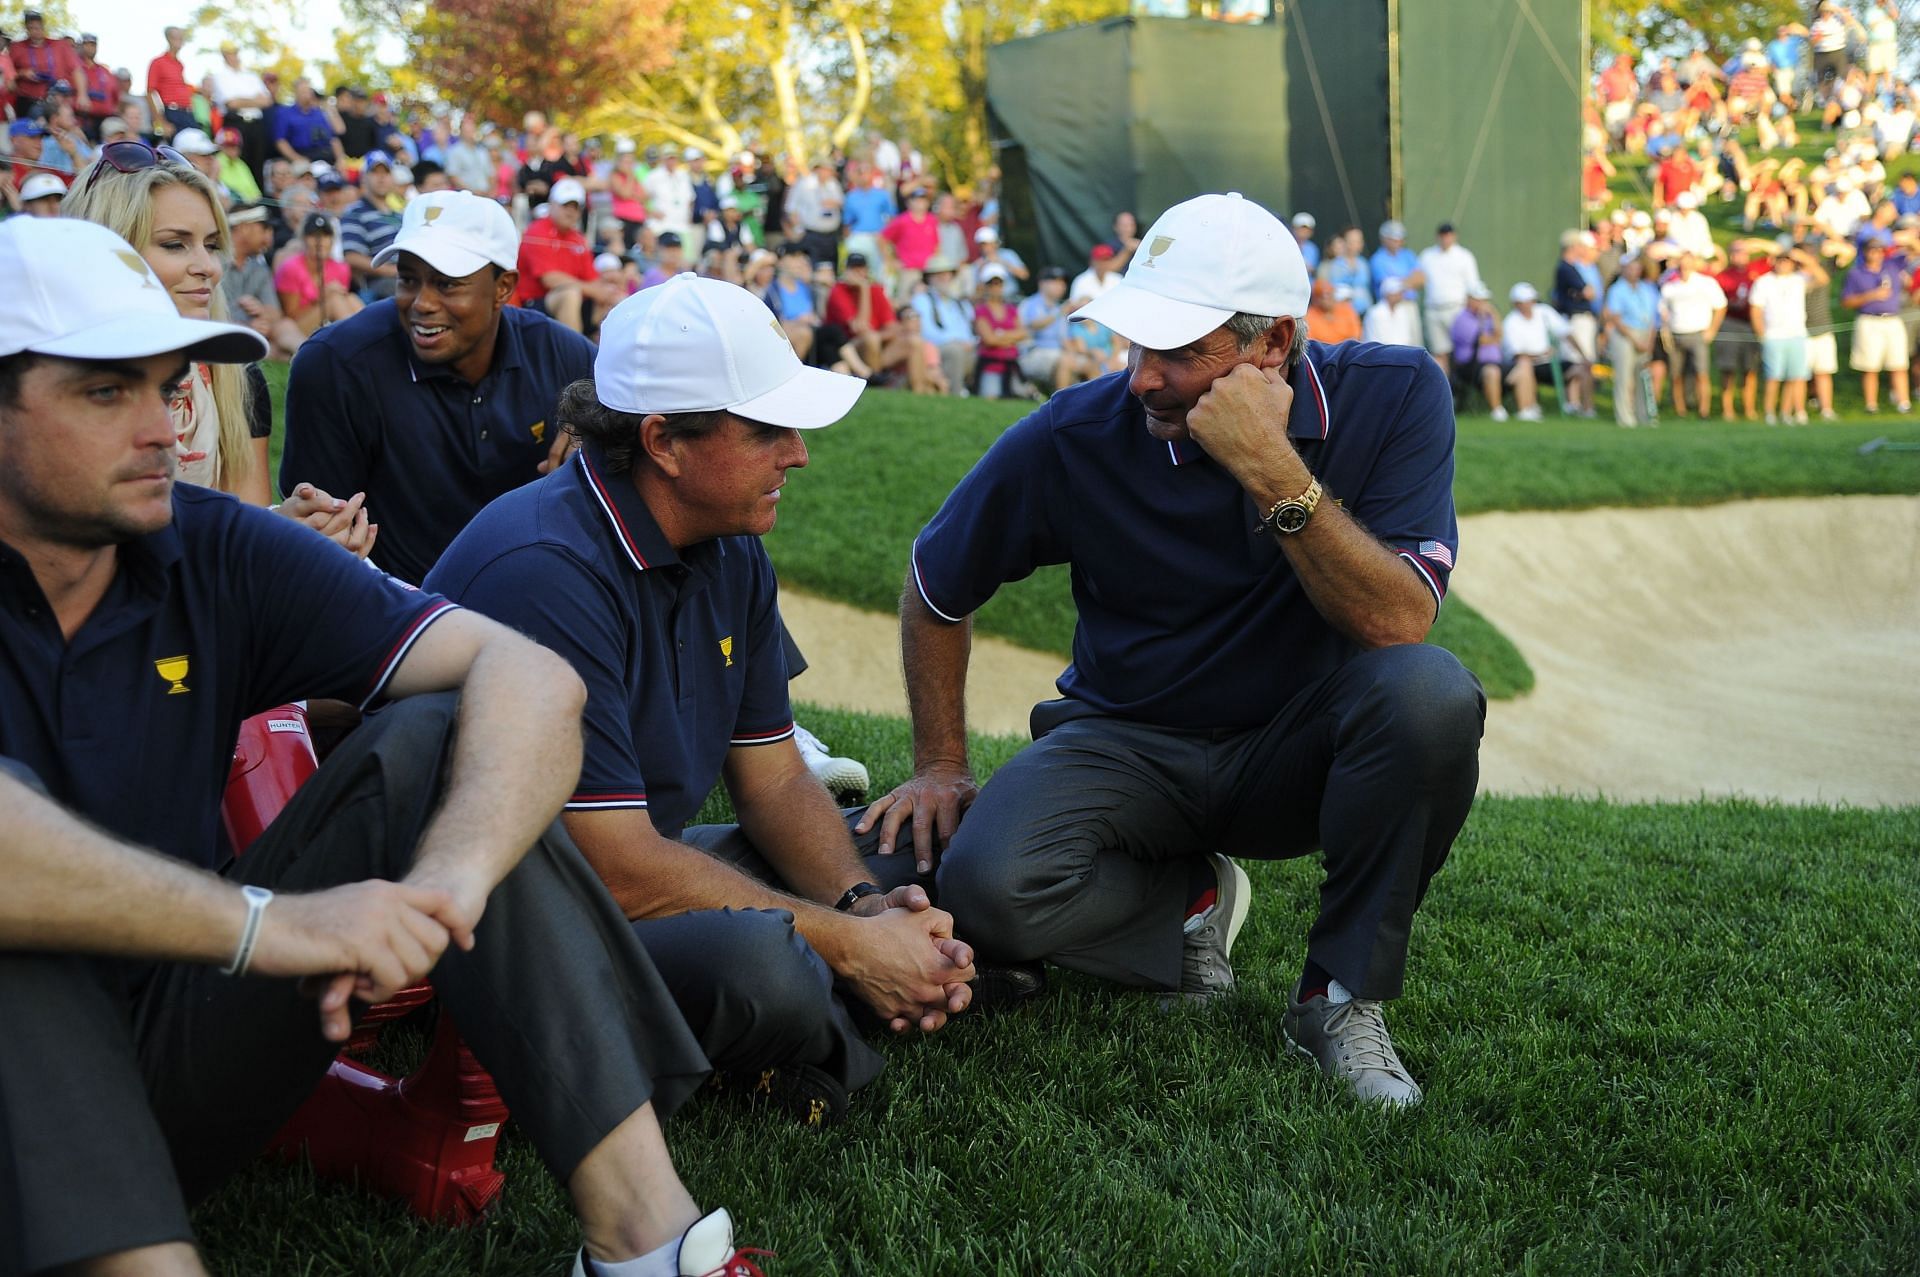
39,63
200,151
1449,269
168,88
1630,315
440,400
690,427
130,938
556,274
993,252
1099,278
40,195
1394,320
305,129
910,241
368,225
1095,848
1577,295
231,169
249,286
99,91
1687,226
1477,356
948,323
1873,290
29,139
1531,337
1303,228
243,99
1054,357
1394,260
997,326
861,324
669,260
669,191
729,233
1692,306
313,287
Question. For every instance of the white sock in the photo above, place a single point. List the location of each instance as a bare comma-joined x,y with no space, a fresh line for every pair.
1337,993
664,1262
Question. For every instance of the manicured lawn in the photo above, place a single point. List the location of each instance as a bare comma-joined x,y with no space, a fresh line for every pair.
1655,1039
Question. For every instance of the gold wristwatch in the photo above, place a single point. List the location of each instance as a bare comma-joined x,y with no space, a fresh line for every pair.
1290,514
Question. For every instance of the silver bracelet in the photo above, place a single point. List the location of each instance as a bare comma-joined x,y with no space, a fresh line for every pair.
257,899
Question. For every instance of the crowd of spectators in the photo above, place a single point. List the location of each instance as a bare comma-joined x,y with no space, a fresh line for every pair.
872,269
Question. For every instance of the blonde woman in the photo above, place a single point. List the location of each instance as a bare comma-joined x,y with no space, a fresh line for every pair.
171,213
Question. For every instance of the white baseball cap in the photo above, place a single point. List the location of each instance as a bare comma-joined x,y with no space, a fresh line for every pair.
1200,264
994,270
704,345
1687,199
456,233
567,190
194,142
1522,292
986,235
1392,285
1304,219
1393,230
78,291
41,185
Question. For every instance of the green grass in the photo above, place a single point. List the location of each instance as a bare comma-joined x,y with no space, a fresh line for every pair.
1655,1039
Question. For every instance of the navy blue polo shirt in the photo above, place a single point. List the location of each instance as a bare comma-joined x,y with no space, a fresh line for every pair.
428,449
226,612
680,652
1188,617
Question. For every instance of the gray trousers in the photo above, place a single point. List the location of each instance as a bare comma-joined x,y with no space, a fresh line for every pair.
1078,851
129,1089
1628,363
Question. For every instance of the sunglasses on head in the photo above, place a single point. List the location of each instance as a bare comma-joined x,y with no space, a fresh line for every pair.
131,157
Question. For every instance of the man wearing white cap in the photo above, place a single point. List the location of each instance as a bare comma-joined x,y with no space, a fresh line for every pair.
40,195
1394,260
669,189
439,400
162,1018
640,562
1260,530
555,263
1530,335
1394,320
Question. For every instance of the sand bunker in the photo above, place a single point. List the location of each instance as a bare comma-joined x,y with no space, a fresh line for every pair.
1765,648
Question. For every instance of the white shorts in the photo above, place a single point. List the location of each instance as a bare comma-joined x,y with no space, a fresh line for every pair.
1038,364
1783,82
1880,58
1583,332
1439,320
1823,355
1879,344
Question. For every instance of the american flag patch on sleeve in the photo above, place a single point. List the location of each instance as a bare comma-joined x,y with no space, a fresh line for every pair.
1438,552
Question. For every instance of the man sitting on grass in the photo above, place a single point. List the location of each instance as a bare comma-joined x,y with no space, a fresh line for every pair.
1260,530
640,562
159,996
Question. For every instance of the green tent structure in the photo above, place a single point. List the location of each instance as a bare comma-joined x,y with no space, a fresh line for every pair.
1465,111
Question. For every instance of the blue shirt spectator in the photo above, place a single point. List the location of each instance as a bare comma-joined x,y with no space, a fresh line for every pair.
1356,276
868,210
1906,196
1048,333
1635,305
1400,264
944,320
1891,273
792,298
305,129
1783,52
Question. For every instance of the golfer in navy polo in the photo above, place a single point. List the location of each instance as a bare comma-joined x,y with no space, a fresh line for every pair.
1261,530
439,400
640,562
157,1030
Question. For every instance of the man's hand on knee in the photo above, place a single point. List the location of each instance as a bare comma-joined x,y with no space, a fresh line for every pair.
366,939
934,799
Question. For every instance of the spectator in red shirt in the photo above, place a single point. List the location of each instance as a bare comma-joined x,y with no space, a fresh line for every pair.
1677,173
860,316
40,63
98,93
557,277
910,240
1736,350
168,87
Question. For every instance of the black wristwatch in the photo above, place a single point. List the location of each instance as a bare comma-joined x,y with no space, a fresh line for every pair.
857,892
